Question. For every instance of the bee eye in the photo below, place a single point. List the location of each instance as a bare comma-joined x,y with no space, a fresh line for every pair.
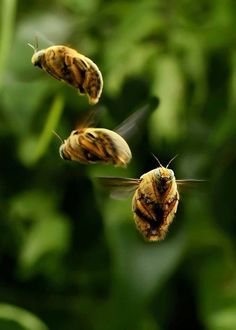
171,174
75,132
158,173
38,63
37,60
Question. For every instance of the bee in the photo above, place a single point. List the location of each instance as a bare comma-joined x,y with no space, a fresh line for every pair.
89,145
77,70
155,200
96,145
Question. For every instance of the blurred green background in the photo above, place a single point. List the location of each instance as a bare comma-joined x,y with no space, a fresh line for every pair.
71,257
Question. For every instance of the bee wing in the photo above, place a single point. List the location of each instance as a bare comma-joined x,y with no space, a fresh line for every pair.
188,183
119,188
89,119
129,126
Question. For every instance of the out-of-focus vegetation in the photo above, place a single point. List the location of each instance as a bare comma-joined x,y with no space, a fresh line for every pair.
70,257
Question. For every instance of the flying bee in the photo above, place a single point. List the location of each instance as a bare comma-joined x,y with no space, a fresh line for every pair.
89,145
155,200
96,145
77,70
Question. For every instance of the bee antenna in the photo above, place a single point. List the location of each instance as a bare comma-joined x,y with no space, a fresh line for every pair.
157,160
171,160
58,136
32,46
36,47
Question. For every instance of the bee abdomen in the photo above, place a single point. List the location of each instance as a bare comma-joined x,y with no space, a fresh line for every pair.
154,223
93,84
152,217
149,227
109,146
148,222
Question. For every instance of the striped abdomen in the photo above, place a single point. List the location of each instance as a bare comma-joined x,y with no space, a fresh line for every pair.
106,145
66,64
155,203
92,145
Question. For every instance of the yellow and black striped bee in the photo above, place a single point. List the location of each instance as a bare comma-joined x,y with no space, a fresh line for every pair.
77,70
96,145
89,145
155,200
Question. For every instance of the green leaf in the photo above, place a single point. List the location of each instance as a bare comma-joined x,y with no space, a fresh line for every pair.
8,11
46,235
149,263
224,319
217,289
166,122
16,318
50,235
32,149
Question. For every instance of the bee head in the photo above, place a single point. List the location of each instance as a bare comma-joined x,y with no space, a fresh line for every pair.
164,175
63,154
37,58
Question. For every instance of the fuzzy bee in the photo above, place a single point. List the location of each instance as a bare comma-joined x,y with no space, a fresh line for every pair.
77,70
155,200
96,145
89,145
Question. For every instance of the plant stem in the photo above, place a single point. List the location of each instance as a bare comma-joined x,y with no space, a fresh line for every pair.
51,122
8,10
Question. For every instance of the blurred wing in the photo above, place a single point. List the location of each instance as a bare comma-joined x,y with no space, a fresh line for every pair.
89,119
189,182
119,188
185,184
130,125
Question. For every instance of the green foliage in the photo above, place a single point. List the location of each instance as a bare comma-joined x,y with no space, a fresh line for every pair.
70,255
15,318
